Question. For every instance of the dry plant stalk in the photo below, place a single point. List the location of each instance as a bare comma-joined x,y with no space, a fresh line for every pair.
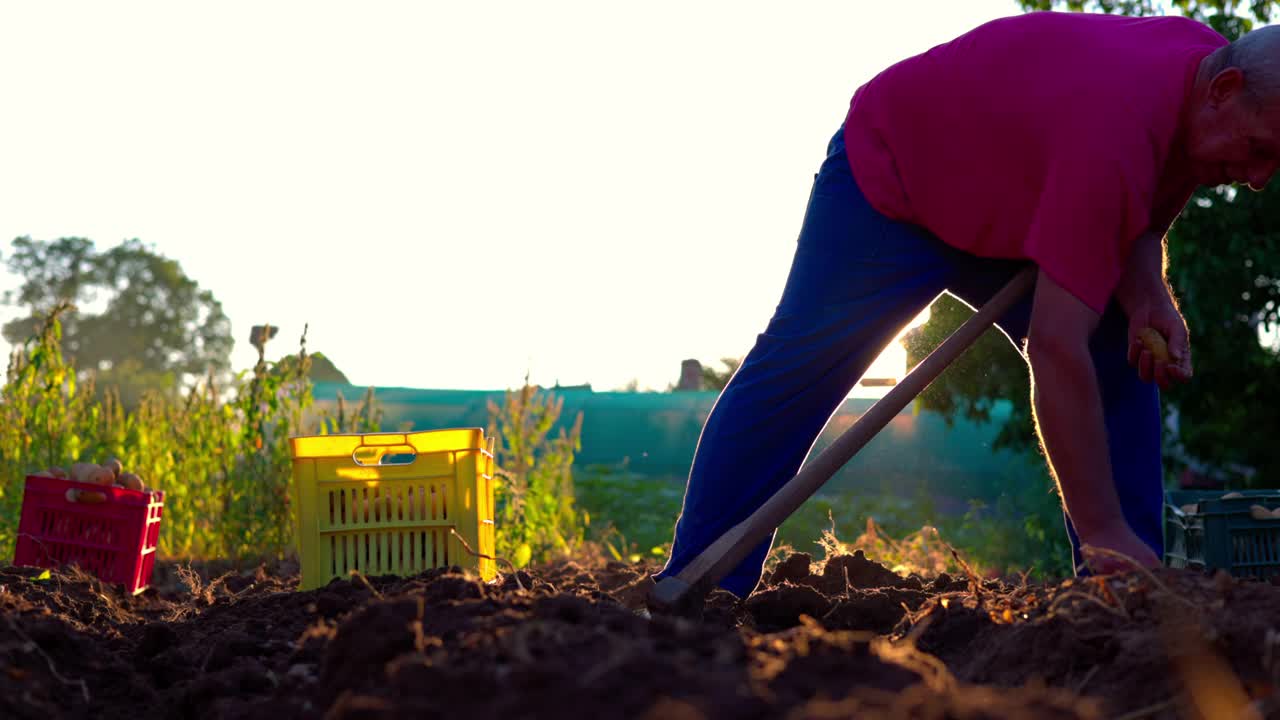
1143,570
1212,688
1149,711
29,644
195,585
467,546
360,576
1081,595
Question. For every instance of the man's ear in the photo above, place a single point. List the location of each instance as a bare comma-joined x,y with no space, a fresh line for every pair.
1225,85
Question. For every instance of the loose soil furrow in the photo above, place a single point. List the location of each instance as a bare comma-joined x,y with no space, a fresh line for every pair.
848,638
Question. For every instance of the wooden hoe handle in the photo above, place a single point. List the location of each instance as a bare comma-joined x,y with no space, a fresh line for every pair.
708,568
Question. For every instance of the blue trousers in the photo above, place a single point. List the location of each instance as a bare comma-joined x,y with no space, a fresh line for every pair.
856,280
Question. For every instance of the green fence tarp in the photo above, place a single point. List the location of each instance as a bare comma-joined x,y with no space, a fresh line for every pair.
657,433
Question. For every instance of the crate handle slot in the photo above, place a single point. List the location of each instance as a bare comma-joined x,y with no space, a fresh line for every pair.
367,455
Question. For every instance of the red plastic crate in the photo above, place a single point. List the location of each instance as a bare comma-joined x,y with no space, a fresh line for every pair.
114,540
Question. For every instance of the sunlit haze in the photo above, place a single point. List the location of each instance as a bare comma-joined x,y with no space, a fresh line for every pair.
451,193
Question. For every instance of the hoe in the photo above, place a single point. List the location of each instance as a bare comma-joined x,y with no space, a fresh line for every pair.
687,588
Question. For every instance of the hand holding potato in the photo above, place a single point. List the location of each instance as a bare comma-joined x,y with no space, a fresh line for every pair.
1154,343
1160,358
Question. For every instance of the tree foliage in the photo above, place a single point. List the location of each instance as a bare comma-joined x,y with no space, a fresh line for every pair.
220,453
990,371
713,379
323,370
1224,260
141,321
1224,254
1231,18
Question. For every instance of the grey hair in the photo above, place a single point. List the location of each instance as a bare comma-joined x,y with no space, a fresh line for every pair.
1257,54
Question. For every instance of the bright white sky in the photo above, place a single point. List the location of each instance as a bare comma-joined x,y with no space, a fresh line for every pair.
451,192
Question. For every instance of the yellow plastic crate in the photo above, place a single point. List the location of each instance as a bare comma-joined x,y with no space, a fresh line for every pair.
393,503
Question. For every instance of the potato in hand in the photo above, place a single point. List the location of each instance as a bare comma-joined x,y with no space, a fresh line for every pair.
1155,344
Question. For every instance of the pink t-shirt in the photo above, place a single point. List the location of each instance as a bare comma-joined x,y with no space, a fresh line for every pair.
1047,136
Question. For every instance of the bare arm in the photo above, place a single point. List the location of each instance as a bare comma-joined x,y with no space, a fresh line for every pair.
1144,275
1068,412
1148,301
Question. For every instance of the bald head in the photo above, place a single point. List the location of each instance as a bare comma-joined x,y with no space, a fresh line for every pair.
1232,116
1257,55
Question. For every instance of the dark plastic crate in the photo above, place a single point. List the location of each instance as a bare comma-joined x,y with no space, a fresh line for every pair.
1220,534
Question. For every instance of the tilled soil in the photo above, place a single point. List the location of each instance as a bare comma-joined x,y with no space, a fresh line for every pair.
847,639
